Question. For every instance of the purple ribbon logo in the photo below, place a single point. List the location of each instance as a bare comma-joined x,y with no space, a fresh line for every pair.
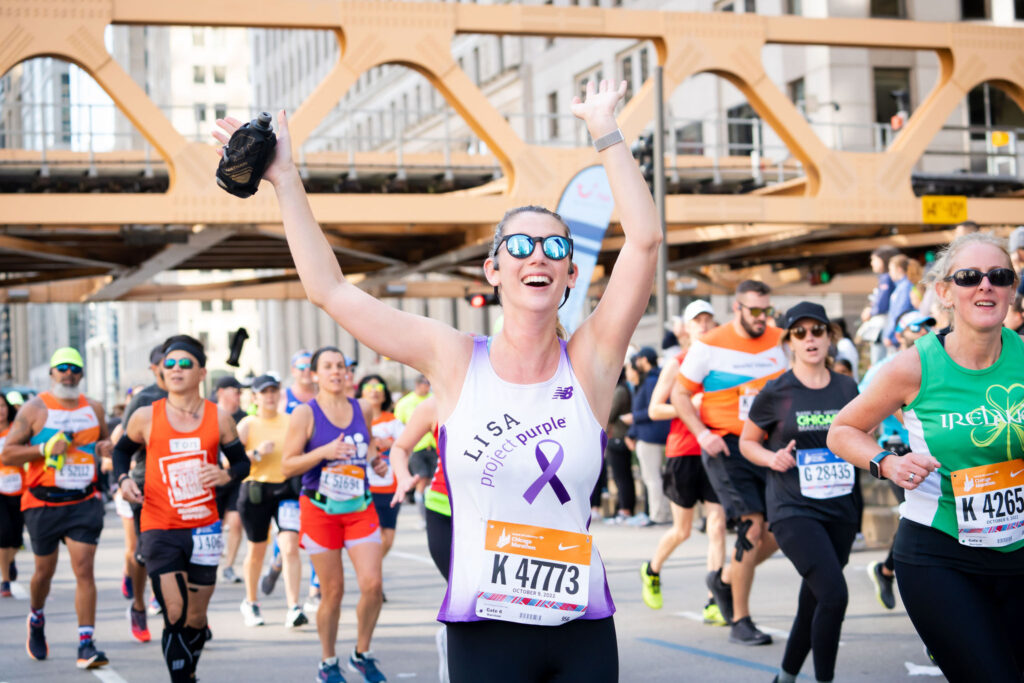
548,475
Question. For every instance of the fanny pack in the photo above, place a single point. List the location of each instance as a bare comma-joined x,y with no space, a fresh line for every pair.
54,494
337,507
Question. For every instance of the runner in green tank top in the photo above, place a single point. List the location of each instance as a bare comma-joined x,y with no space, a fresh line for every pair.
960,546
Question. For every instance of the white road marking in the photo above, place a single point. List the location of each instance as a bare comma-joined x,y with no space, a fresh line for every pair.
918,670
412,556
774,632
108,675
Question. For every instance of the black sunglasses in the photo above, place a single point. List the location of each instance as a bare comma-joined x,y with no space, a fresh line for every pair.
556,247
816,330
65,367
183,363
971,277
758,311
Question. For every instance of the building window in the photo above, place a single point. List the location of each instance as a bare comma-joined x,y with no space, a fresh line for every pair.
626,72
593,76
794,7
989,107
750,6
198,36
690,138
206,307
645,67
219,74
887,82
974,9
1018,9
220,110
741,122
476,65
199,74
796,94
227,305
200,112
888,9
553,115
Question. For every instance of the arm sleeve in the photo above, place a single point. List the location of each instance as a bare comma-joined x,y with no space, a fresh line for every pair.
238,460
123,452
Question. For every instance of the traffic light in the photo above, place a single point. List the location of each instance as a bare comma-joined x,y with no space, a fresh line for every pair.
643,152
481,300
820,275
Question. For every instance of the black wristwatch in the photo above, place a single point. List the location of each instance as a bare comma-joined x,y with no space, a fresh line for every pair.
875,466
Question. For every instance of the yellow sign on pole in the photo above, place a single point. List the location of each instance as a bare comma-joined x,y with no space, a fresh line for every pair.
1000,138
943,209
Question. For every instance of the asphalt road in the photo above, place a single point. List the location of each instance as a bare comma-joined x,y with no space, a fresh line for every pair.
667,645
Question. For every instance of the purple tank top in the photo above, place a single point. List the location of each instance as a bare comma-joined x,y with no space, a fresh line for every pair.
325,431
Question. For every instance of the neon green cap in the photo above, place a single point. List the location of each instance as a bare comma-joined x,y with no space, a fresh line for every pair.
66,354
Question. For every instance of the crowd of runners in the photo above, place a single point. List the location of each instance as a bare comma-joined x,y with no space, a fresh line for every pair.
501,446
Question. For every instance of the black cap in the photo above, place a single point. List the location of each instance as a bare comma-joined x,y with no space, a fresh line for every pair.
263,382
156,356
227,382
647,352
805,309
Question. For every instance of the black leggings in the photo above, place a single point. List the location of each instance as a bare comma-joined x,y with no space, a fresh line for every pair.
439,541
819,551
971,623
620,459
504,652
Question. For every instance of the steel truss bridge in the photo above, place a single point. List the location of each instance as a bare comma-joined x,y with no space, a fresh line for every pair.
77,243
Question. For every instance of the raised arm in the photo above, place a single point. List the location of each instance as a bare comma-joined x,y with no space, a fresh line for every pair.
431,347
599,344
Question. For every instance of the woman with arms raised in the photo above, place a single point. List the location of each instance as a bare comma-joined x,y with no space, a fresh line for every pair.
521,417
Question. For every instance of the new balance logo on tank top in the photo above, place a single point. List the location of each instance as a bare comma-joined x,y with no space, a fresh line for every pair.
731,369
521,461
79,471
175,497
972,422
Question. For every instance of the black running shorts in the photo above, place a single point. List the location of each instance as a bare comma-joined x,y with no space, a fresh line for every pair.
48,526
738,483
685,481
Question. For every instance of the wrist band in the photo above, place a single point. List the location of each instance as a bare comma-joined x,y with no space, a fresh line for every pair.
606,141
120,480
700,437
42,449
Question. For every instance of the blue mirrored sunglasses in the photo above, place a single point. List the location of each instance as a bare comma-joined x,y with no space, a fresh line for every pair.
64,367
183,363
556,247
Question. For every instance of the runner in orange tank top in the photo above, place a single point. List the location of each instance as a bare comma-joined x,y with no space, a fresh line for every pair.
61,435
181,536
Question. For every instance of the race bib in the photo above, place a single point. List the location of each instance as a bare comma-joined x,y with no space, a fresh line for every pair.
10,480
340,481
989,502
288,515
823,474
78,472
122,506
533,575
207,545
380,480
746,400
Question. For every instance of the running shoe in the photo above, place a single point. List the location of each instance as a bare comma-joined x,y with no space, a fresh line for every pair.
883,585
251,613
127,589
137,621
36,643
89,657
230,576
154,607
721,592
295,617
312,603
651,586
713,615
639,519
5,589
367,666
269,580
330,672
745,633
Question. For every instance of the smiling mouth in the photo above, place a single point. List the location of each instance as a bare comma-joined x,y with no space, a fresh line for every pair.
536,281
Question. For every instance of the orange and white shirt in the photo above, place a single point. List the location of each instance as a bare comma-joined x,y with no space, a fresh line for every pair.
79,471
730,370
385,426
175,497
12,477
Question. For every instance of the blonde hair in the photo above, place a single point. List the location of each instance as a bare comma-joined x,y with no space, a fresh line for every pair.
943,267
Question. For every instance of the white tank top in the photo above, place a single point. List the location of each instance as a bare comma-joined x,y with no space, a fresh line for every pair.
521,461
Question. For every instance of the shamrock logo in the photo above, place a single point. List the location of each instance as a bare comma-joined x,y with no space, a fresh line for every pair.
1006,403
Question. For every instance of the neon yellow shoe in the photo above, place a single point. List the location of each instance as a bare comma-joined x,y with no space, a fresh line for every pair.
652,586
713,615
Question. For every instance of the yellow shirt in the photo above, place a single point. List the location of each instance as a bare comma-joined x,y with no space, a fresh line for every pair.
266,468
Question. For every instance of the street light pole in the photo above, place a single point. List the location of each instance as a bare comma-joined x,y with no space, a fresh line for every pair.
659,197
